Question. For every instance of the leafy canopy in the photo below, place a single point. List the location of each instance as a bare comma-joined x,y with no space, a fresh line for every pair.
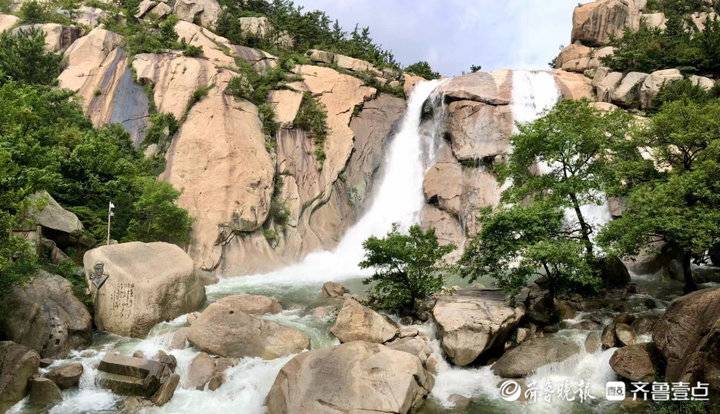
408,268
423,70
680,203
23,58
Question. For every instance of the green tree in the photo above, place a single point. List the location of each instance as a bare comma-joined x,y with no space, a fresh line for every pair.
156,217
571,145
408,268
679,203
23,58
520,243
422,69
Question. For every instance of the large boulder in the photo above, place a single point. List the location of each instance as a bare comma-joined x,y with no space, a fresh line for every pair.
356,322
8,21
144,283
478,87
223,329
204,11
252,304
473,323
653,83
574,86
66,376
333,290
688,337
530,355
613,272
46,212
628,92
636,362
46,316
353,377
125,375
605,83
596,23
43,393
18,364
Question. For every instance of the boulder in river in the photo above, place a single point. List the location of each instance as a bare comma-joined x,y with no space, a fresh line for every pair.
43,393
18,364
223,330
333,290
125,375
66,376
141,284
46,316
636,362
473,323
688,337
252,304
527,357
351,378
356,322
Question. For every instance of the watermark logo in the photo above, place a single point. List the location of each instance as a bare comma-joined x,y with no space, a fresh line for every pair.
615,391
510,390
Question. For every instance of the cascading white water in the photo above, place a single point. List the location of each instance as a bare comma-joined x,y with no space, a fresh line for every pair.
398,199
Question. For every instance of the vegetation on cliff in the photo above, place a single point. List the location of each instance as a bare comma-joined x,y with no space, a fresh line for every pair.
679,45
47,143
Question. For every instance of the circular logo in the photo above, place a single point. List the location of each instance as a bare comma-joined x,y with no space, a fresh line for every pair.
510,390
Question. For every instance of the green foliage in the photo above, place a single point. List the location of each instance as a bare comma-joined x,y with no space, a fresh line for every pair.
680,204
46,143
197,96
162,128
408,268
680,90
475,68
41,12
311,29
5,6
155,216
312,117
422,69
522,242
267,118
651,49
23,58
279,213
76,276
574,143
676,7
152,36
190,50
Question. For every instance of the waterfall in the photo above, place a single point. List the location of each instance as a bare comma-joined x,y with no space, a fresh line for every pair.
398,199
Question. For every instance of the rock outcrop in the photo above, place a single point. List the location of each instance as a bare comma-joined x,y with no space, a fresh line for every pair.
142,284
353,377
98,71
46,212
473,323
43,393
688,337
8,21
18,364
223,329
530,355
45,316
206,12
356,322
596,23
66,376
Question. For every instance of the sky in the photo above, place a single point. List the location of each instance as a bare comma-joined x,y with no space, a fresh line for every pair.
454,34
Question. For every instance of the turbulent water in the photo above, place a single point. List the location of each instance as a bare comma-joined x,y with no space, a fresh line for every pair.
398,199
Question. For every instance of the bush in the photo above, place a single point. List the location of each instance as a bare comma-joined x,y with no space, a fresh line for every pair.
408,268
422,69
162,128
23,58
312,118
36,12
190,50
680,90
197,96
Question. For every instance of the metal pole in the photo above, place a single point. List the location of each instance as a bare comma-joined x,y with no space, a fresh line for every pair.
108,224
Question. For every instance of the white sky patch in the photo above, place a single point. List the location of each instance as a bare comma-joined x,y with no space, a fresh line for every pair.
454,34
